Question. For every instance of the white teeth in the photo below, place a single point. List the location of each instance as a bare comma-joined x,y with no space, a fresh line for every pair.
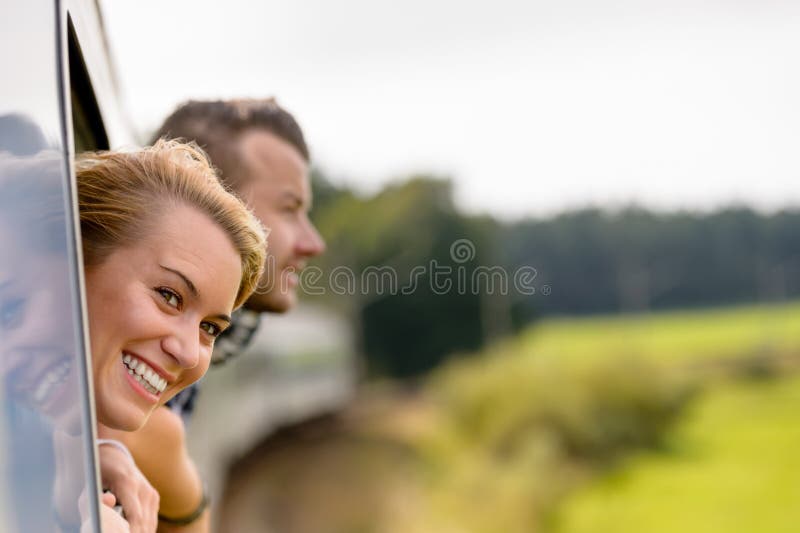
145,375
149,388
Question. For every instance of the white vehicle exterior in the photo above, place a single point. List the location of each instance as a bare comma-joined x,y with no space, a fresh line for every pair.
57,96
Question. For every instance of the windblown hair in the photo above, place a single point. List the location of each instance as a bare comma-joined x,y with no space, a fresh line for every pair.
122,194
217,125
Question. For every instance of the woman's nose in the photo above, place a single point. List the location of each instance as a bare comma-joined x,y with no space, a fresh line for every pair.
183,345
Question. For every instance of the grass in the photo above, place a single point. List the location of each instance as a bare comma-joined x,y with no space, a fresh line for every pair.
736,469
588,425
733,465
668,337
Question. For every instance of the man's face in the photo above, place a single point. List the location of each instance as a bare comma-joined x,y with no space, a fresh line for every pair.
278,190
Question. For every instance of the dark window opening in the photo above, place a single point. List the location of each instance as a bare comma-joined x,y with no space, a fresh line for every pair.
88,132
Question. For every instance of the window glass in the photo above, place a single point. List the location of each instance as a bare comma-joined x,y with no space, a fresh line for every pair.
46,462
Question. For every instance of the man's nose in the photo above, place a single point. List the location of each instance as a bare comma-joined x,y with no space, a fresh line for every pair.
311,242
182,343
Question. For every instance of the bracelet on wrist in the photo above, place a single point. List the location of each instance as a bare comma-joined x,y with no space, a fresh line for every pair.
191,517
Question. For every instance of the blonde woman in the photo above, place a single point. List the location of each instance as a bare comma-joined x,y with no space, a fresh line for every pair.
168,255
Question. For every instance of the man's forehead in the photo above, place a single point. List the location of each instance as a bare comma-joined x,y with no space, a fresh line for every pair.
263,147
273,165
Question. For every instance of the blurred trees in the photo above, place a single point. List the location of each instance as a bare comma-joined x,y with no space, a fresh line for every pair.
393,266
380,268
634,260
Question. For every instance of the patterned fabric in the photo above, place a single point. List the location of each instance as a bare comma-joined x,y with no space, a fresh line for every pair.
183,403
232,341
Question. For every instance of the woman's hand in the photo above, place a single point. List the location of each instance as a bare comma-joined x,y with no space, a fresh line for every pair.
110,520
137,496
160,451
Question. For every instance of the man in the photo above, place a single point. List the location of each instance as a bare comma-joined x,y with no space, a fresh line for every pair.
261,154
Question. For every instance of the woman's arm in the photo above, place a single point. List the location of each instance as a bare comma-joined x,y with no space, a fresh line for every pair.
159,448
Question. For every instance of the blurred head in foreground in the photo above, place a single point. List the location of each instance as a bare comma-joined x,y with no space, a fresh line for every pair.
168,254
261,154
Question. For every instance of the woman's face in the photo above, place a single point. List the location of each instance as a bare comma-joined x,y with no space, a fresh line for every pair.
155,309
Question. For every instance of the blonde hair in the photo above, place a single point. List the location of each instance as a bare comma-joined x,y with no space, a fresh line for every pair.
122,194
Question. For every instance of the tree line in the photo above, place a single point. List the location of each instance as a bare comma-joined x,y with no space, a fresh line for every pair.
453,266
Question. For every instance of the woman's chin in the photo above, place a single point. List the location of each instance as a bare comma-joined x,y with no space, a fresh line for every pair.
129,420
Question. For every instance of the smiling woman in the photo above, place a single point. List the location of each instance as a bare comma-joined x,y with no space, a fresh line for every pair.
155,308
168,254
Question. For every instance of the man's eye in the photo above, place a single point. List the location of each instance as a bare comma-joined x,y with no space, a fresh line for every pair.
211,328
172,298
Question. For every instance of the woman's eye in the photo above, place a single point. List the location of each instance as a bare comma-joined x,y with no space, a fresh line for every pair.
211,328
171,297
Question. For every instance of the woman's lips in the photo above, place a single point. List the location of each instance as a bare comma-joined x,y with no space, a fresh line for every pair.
144,375
136,384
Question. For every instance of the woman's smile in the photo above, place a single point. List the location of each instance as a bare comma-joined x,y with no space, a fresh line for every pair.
144,377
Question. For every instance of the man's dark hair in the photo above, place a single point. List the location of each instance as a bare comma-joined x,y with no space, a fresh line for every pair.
216,126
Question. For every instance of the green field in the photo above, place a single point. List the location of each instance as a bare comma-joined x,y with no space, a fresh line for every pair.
667,422
670,336
644,441
736,469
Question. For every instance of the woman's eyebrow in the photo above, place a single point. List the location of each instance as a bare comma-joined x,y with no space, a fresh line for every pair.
223,317
185,279
194,291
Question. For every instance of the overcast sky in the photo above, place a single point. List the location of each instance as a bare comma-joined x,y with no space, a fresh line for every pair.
531,106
